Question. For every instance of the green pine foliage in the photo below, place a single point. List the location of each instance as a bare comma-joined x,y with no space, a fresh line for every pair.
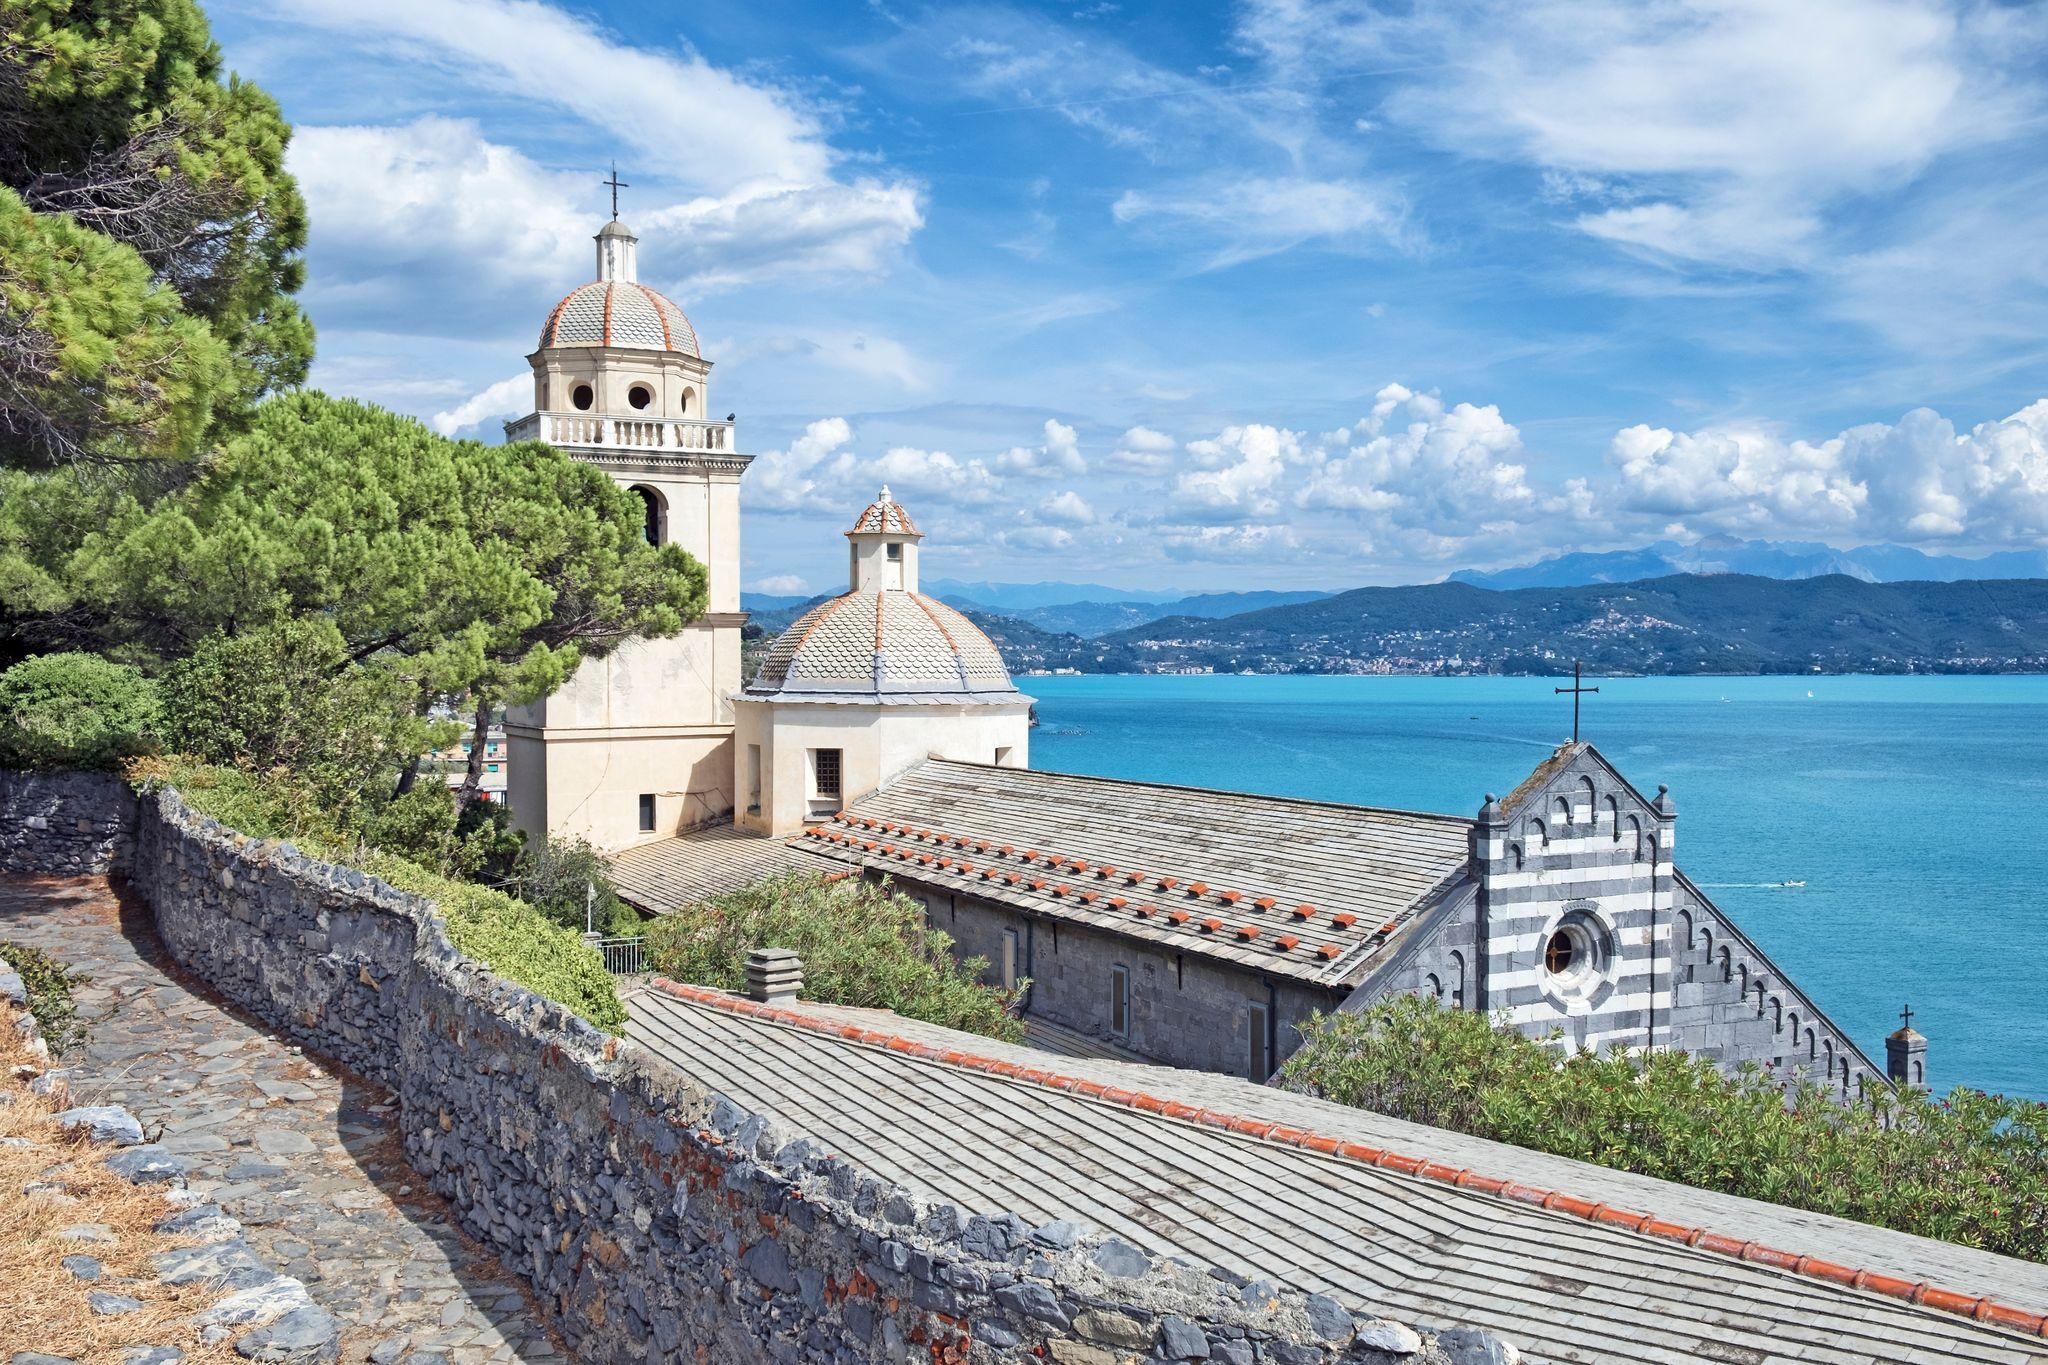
861,943
1972,1168
507,935
72,711
459,566
97,359
143,193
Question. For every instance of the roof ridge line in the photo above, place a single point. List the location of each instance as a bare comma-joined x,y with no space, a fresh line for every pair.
1465,820
1980,1308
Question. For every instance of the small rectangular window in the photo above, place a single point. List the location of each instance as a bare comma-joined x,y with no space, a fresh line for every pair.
1120,1001
1011,944
1256,1068
753,779
825,773
895,550
1002,757
490,767
647,811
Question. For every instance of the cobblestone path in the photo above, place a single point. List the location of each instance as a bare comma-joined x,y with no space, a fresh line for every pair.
303,1154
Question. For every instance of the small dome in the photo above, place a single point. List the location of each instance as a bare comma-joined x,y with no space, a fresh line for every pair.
619,313
882,647
884,516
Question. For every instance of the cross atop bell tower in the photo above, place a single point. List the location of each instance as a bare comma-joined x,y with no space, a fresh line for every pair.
616,185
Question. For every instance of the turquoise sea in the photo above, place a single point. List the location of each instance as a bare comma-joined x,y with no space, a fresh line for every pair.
1912,810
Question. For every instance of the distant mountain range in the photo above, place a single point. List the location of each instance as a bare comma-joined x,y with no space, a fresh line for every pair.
1718,606
1721,623
1764,558
1072,616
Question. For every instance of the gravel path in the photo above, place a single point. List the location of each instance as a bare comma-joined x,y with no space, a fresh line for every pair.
303,1153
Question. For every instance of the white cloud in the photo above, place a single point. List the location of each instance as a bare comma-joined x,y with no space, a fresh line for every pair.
699,123
1424,464
1246,217
1243,469
1069,507
783,585
1917,480
1035,538
1738,123
790,480
431,224
1061,453
913,470
507,398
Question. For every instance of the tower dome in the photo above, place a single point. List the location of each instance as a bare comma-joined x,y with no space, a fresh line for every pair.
615,309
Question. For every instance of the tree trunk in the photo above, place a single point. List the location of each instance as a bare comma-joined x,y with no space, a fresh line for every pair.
410,773
473,777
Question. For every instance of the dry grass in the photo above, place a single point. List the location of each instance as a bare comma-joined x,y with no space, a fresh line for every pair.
42,1307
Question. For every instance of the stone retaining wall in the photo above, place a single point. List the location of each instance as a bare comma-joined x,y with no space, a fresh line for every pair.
659,1222
65,824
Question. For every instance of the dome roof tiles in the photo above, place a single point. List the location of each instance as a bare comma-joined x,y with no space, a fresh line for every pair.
884,646
619,313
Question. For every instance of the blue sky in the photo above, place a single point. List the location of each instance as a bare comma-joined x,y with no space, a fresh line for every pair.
1277,293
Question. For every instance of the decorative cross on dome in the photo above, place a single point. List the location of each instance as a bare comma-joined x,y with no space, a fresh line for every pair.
617,185
1907,1015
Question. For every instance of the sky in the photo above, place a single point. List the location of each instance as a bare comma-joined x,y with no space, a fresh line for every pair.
1278,293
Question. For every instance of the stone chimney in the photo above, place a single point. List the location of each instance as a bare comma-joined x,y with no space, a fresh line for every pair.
1905,1055
774,975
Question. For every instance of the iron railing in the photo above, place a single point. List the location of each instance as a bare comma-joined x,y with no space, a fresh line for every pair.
623,956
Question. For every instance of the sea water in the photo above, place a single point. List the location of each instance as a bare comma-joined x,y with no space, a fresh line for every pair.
1881,838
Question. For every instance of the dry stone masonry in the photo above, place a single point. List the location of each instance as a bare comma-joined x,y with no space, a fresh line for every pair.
659,1222
65,824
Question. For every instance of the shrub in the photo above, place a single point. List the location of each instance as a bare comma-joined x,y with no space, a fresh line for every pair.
511,938
557,877
74,711
862,944
1971,1169
49,993
289,697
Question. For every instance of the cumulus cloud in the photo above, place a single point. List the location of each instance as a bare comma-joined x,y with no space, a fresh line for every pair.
507,398
783,585
429,223
1069,507
1242,469
793,480
1060,454
1917,480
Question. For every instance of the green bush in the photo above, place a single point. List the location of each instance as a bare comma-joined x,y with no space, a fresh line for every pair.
49,993
556,877
289,697
74,711
862,944
511,938
1972,1168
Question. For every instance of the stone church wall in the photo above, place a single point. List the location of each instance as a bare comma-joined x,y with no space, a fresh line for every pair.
658,1222
65,824
1577,850
1731,1003
1184,1009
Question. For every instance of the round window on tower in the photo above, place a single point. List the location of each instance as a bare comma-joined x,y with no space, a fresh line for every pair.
639,395
582,396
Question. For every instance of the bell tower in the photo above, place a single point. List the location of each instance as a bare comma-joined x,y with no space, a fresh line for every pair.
637,745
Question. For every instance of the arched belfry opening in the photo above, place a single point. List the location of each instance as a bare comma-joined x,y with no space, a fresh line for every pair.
654,513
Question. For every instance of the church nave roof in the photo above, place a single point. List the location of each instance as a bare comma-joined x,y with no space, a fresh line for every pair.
1302,889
